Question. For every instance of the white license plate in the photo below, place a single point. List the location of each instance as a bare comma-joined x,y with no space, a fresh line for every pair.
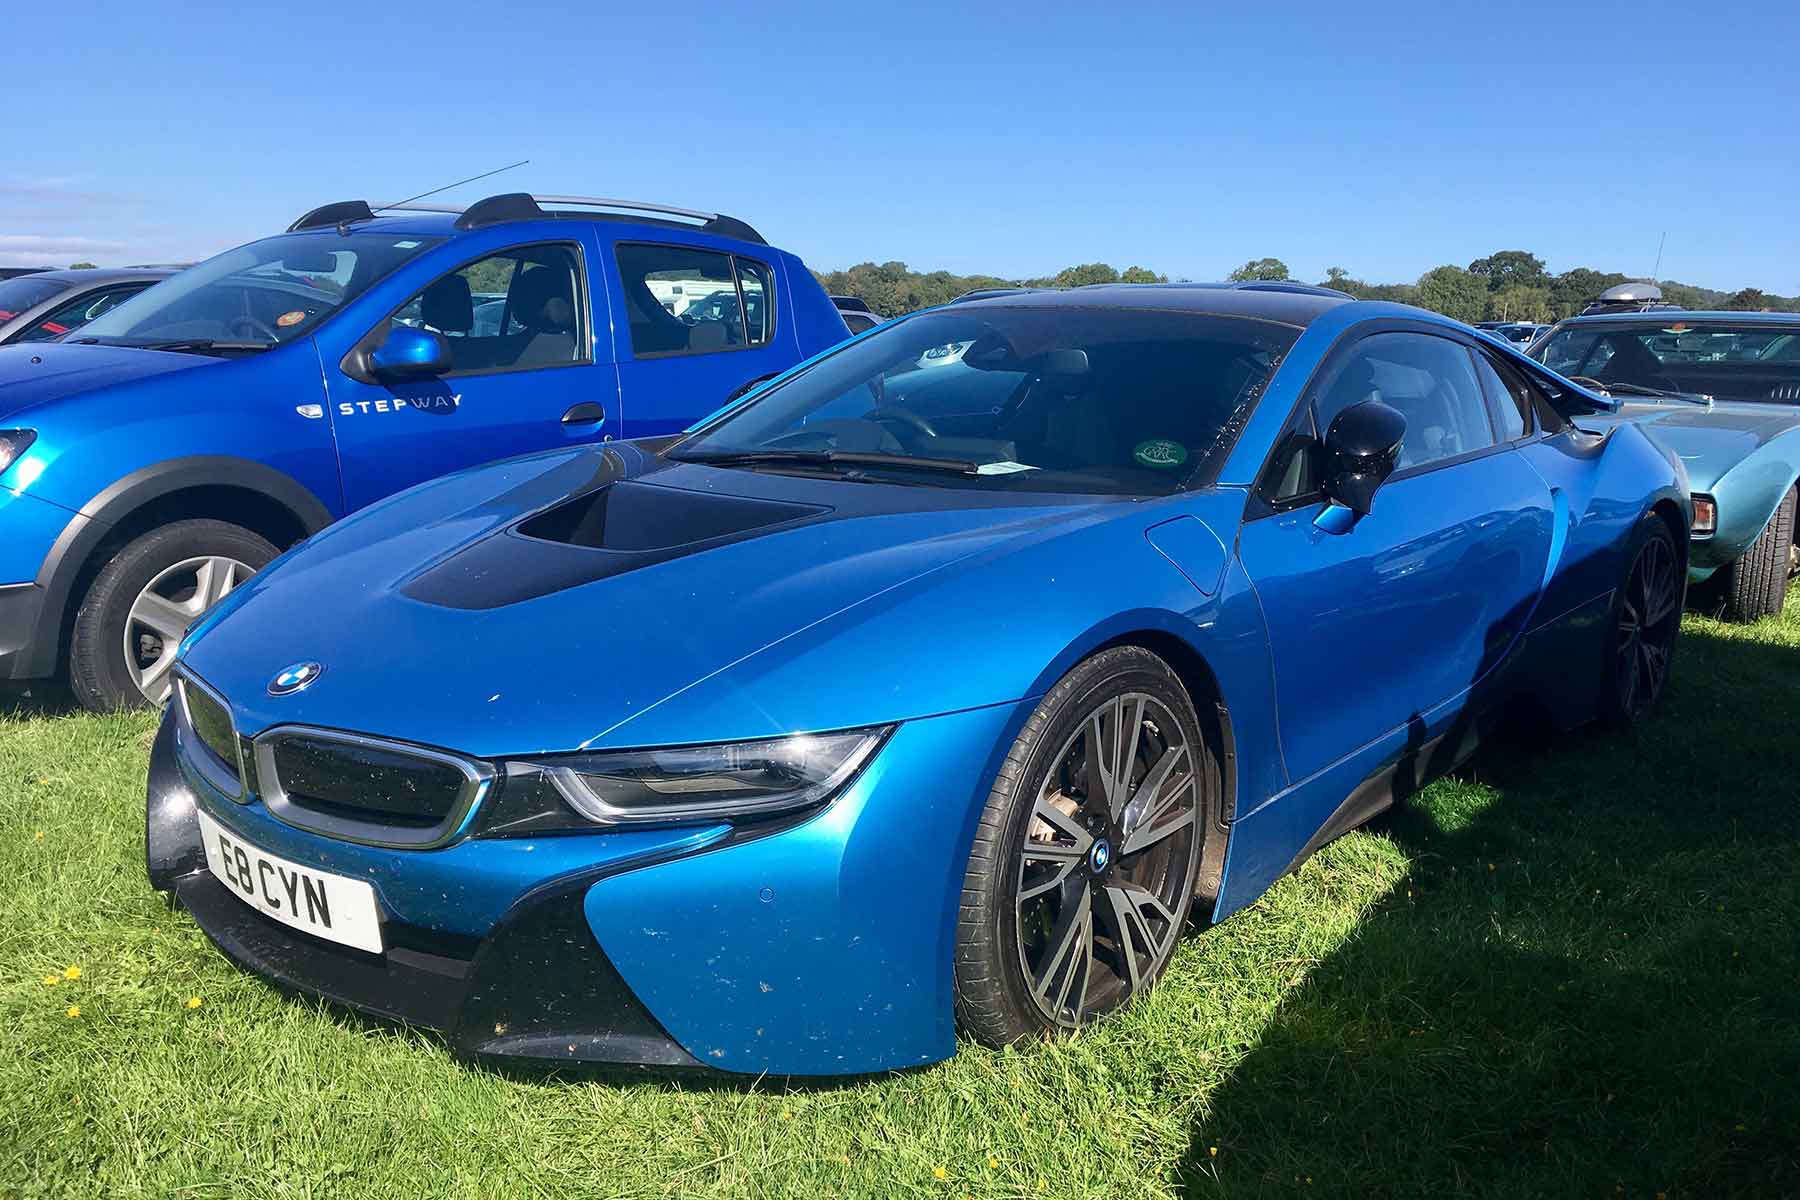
334,907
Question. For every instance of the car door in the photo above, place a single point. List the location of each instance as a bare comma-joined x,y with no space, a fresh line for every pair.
701,324
1384,625
528,372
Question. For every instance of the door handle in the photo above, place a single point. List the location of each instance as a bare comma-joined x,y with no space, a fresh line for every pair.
585,413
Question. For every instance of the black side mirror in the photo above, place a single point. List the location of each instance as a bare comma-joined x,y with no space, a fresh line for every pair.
1362,447
407,353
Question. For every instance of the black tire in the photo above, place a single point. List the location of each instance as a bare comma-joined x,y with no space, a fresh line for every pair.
1646,624
99,674
1759,580
998,1001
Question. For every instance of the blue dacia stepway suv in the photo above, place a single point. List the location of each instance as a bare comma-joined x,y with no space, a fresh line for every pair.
158,456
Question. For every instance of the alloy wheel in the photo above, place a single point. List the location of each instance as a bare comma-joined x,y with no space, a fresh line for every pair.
162,612
1649,615
1108,854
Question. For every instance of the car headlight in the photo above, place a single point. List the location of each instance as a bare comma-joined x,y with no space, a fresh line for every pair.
14,442
733,781
1706,516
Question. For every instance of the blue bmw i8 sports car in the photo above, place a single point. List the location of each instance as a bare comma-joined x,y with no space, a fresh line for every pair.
903,699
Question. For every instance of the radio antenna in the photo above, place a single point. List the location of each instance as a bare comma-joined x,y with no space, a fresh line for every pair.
458,183
1659,250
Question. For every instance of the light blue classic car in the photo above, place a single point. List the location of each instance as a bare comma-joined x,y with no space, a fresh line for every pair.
1722,390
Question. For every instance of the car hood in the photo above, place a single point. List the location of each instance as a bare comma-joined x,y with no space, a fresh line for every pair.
1708,440
548,603
41,372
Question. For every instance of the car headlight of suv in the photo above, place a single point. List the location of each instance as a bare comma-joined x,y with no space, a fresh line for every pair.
732,781
13,443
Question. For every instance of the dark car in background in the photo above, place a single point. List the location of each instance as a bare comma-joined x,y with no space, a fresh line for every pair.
858,316
43,305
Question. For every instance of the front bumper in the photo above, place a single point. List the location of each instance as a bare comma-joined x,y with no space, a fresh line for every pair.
29,531
21,607
536,988
822,949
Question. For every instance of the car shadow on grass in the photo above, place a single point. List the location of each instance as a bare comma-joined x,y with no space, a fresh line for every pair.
1586,985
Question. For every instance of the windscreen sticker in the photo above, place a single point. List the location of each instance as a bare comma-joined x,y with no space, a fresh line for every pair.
1160,454
293,317
1003,468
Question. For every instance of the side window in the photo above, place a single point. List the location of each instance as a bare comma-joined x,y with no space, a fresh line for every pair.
1508,396
78,312
513,311
1430,380
681,300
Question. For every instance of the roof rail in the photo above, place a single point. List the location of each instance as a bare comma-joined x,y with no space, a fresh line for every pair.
522,206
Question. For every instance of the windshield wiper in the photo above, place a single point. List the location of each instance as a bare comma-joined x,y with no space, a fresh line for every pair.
829,458
204,346
1638,389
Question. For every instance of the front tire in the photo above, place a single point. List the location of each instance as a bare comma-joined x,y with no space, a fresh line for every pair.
1646,623
147,594
1759,580
1084,864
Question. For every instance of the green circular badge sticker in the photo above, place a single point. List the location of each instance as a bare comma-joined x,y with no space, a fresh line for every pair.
1160,453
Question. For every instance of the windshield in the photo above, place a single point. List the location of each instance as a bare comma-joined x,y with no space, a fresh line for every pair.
1062,399
1755,362
17,295
258,295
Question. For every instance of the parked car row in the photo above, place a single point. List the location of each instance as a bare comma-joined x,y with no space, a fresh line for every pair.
142,487
722,692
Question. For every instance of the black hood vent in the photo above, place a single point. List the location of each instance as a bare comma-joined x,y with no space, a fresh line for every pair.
601,533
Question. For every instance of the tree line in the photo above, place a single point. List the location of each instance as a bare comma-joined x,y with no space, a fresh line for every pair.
1507,285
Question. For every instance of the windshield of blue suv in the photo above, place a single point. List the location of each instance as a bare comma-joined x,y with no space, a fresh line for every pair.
1031,398
1728,361
255,296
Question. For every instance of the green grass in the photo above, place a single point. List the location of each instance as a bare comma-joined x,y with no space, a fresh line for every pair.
1569,971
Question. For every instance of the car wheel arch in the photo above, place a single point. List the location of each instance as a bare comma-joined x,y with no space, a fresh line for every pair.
242,491
1161,634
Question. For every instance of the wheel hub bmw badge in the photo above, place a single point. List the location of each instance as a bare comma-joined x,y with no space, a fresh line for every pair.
295,678
1102,855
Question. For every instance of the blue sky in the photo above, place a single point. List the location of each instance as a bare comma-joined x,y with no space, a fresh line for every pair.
1384,138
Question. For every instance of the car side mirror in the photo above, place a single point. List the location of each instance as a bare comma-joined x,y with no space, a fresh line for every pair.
407,353
1362,448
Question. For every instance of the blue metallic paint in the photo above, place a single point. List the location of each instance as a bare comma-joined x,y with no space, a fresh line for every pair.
102,413
1335,656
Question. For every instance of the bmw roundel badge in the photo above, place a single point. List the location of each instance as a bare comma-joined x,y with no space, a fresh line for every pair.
295,678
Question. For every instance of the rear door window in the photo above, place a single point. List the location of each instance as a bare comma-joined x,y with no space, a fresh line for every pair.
685,300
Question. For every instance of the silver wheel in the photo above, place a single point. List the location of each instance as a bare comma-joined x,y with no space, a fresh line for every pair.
1107,860
169,603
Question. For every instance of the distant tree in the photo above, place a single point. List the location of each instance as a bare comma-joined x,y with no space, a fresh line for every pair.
1261,268
1141,275
1518,302
1343,281
1689,296
1573,289
1084,274
81,266
1454,292
1510,268
1748,300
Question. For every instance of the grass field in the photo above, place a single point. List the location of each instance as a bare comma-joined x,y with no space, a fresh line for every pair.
1572,970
